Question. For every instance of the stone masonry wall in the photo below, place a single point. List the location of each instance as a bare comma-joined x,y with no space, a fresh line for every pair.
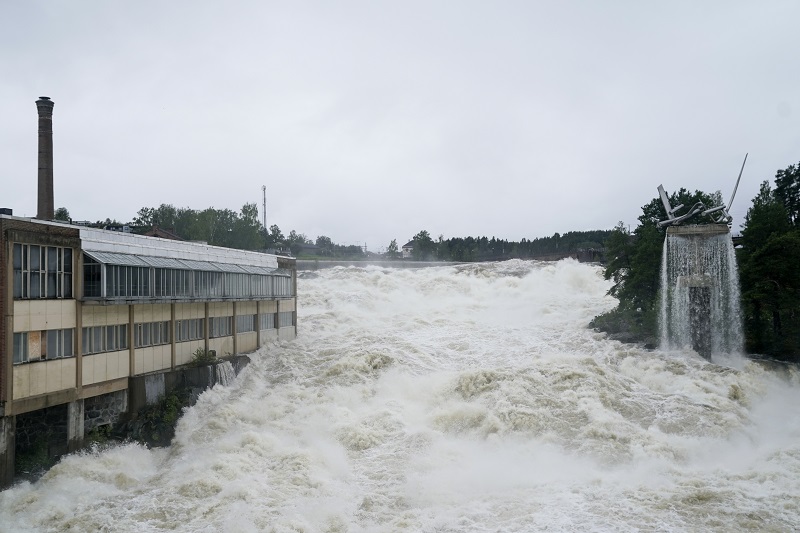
104,409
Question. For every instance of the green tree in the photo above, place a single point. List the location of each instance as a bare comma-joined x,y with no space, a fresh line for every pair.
275,237
618,256
247,230
787,189
392,251
424,247
325,244
769,275
61,214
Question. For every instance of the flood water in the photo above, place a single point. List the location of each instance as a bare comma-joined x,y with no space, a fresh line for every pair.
469,398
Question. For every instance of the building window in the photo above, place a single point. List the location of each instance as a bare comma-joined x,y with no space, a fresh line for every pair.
283,286
151,334
92,284
245,323
42,271
20,348
48,344
127,281
100,339
190,330
267,320
285,319
58,343
221,326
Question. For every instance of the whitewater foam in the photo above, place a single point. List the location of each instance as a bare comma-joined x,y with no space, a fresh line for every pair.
469,398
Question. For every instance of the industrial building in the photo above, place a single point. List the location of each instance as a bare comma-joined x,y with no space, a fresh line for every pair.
85,311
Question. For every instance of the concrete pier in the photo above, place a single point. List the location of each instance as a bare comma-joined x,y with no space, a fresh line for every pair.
693,271
7,445
74,425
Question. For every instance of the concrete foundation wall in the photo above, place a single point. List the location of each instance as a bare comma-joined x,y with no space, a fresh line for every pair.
195,378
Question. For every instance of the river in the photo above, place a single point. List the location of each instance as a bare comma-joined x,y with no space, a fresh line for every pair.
460,398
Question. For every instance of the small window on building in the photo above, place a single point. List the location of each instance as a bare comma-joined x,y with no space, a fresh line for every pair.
20,348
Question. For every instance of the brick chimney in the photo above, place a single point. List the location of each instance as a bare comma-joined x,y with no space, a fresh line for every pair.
45,210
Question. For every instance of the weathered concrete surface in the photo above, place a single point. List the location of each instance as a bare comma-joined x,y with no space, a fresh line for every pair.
74,425
201,378
705,229
7,447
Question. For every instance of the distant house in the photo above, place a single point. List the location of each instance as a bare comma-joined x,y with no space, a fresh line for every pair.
408,249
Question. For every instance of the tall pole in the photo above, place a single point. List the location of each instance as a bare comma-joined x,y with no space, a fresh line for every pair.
266,231
44,205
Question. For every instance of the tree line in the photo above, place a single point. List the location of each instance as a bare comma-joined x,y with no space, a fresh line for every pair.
768,260
425,248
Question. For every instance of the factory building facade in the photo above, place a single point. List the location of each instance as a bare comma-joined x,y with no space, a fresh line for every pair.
84,312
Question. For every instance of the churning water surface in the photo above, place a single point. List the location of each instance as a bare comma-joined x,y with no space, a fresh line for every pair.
469,398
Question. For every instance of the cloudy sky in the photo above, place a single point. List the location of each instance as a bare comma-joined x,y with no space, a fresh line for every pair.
369,121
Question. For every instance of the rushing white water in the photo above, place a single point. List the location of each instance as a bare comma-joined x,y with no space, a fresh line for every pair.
451,399
707,262
225,373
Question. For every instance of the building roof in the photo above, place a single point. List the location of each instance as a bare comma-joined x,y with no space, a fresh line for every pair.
150,249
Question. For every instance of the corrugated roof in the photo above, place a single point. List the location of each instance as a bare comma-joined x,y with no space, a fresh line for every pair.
112,258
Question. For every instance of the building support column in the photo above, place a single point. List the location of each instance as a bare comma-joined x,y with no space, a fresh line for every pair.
172,331
206,327
258,325
74,425
235,331
7,445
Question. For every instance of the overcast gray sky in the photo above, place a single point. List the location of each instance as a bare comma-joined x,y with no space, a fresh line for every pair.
369,121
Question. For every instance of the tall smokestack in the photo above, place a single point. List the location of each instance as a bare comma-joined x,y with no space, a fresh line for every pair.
45,201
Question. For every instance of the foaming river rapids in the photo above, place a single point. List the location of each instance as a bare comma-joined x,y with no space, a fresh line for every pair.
468,398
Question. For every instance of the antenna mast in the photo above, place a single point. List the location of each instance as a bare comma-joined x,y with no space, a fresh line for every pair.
266,231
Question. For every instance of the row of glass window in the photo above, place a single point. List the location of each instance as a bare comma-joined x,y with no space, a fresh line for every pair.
51,344
151,282
42,271
151,334
42,345
98,339
245,323
192,329
285,319
221,326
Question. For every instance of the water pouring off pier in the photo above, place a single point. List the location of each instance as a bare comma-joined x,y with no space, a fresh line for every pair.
700,291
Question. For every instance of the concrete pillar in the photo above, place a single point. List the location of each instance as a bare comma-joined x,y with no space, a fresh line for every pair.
75,417
45,209
699,284
235,331
172,331
700,319
7,445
